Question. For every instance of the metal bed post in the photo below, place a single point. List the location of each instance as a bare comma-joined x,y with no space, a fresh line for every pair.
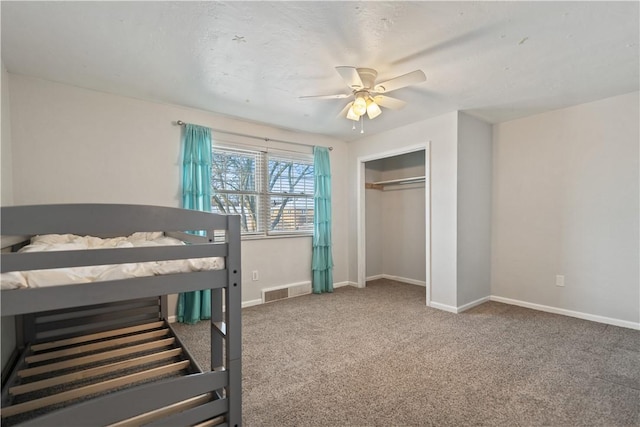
233,319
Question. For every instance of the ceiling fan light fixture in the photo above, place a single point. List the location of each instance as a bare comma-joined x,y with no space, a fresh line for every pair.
373,110
359,106
368,96
351,115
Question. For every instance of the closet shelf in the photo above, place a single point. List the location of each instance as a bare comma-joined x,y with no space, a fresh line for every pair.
379,185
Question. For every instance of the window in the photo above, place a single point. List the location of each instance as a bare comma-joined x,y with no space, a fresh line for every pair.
272,192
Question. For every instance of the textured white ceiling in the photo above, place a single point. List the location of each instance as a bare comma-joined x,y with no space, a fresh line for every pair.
496,60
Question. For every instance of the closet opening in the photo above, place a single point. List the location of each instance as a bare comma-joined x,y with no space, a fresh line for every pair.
393,210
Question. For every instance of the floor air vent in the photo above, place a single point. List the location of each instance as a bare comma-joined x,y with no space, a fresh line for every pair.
288,292
276,294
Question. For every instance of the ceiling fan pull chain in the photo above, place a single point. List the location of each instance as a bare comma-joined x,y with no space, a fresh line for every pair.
361,124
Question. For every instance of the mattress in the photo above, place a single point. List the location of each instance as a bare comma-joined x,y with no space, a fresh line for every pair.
99,273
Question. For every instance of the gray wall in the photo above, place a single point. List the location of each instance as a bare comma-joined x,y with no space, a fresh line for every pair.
6,178
565,202
76,145
474,209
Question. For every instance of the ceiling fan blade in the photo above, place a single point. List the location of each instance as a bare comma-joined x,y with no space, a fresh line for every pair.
400,81
337,96
343,113
388,102
350,76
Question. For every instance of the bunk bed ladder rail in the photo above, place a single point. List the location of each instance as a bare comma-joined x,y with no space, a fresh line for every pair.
233,322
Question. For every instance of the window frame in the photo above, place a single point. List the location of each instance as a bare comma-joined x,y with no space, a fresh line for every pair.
264,197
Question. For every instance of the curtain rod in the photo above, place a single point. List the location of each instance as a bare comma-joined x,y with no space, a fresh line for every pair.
181,123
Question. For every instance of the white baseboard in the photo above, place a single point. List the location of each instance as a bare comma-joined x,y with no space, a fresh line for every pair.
460,309
251,302
398,279
539,307
472,304
345,283
452,309
570,313
444,307
406,280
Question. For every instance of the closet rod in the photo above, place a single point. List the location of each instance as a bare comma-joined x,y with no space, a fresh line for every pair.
181,123
410,180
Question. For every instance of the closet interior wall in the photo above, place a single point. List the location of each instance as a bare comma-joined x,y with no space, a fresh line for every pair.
395,219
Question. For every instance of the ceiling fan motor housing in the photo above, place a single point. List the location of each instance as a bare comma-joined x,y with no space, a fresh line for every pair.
368,77
367,96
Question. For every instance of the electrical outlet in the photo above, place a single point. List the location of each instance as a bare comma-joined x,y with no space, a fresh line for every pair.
254,275
559,280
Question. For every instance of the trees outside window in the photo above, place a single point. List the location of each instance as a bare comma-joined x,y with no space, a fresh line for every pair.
272,192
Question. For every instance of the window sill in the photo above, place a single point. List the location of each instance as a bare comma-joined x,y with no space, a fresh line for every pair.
274,236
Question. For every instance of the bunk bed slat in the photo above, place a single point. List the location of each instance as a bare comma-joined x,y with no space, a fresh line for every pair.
94,309
193,415
132,402
67,323
50,326
79,361
96,346
21,408
217,421
163,412
93,372
96,336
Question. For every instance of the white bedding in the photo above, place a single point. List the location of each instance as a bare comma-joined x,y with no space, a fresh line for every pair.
76,275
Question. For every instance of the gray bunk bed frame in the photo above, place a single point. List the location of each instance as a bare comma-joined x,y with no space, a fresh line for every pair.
67,317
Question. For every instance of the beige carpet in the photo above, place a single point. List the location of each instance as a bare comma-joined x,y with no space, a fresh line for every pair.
379,357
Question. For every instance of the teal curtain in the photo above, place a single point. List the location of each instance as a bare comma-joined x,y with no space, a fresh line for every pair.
322,260
196,195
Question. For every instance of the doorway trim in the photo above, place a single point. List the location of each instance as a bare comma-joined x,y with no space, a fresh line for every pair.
361,203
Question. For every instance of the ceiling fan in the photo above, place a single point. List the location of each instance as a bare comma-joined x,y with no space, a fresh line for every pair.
367,93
